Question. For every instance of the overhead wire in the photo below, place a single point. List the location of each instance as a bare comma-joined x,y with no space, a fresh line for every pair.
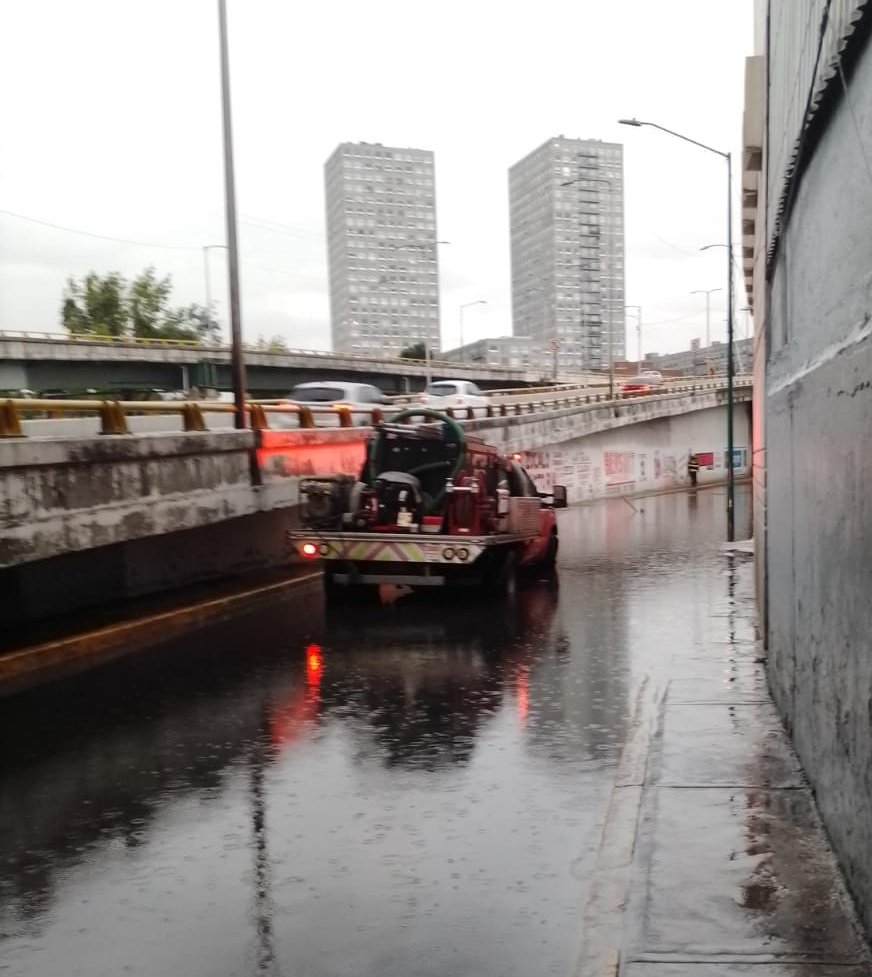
101,237
140,244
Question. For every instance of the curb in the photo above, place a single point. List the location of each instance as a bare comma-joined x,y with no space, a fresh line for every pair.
602,921
122,637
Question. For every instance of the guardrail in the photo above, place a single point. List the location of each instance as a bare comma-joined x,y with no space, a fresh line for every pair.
137,342
113,414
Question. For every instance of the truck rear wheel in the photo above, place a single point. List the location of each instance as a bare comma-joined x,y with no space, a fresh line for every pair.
501,574
549,560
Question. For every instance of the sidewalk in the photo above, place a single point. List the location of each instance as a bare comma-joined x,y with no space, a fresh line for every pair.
713,862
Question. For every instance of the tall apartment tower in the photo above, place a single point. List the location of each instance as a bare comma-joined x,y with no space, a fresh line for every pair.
382,253
566,208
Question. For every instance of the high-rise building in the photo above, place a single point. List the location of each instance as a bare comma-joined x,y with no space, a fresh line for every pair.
382,252
566,207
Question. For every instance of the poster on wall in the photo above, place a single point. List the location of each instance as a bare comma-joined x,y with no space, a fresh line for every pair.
643,468
619,470
540,468
740,458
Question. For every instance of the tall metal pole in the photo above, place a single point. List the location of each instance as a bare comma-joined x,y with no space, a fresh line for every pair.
208,288
611,356
466,305
639,334
708,319
731,527
707,292
731,531
237,362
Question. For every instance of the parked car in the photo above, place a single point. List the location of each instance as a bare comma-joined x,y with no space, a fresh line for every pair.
454,393
360,398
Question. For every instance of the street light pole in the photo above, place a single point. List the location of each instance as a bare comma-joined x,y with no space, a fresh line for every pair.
707,292
638,311
466,305
206,249
731,533
236,360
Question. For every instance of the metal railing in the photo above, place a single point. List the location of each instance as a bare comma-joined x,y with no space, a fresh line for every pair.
207,347
113,414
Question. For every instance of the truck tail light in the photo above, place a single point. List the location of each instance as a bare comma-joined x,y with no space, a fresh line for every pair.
309,551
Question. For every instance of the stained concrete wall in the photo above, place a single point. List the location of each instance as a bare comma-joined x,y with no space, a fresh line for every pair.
87,521
643,457
819,478
65,496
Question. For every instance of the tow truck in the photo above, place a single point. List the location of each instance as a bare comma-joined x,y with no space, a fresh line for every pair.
433,506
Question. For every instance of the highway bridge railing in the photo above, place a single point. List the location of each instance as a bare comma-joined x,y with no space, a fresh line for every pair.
113,414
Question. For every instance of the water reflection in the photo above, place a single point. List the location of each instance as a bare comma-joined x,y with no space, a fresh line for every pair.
427,771
91,762
417,683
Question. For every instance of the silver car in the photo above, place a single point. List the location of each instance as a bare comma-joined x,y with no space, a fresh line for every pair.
456,394
328,395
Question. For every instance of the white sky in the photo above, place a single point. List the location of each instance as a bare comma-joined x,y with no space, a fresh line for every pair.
110,123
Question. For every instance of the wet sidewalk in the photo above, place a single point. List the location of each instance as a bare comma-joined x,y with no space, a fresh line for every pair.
714,862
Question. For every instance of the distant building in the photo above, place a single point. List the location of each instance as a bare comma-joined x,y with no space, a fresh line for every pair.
700,361
566,208
382,252
515,352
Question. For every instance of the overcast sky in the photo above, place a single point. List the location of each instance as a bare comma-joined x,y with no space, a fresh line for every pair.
110,124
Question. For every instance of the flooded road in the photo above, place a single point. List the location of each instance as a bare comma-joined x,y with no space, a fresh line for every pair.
414,789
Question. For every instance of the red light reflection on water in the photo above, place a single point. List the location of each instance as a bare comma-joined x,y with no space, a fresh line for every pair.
291,715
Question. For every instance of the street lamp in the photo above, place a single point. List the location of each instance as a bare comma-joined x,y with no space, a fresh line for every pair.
466,305
237,363
638,311
706,292
731,534
206,249
610,185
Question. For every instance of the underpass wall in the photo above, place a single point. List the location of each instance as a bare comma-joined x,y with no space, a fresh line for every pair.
90,521
818,415
643,457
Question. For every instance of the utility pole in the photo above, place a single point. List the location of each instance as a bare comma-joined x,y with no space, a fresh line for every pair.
236,360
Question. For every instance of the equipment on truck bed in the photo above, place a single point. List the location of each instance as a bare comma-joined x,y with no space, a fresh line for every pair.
432,505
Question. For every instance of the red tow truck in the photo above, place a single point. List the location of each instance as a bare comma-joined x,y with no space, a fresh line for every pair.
432,506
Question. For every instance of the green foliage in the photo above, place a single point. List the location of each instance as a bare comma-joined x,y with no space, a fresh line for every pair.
416,351
147,307
278,344
95,305
112,306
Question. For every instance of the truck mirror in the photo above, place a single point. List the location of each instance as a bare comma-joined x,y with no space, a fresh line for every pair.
558,497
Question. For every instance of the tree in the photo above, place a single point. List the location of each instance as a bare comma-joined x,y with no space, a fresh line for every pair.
147,306
95,306
111,306
417,351
278,344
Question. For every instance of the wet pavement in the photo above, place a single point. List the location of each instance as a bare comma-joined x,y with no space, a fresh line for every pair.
588,773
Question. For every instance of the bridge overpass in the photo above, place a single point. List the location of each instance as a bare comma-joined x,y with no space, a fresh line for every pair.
46,362
91,519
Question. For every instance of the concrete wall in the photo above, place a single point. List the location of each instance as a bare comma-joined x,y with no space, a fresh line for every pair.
642,458
91,520
819,477
72,495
